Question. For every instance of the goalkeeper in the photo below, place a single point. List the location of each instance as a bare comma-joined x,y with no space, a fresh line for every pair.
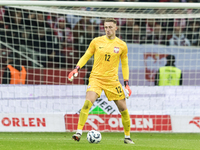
107,51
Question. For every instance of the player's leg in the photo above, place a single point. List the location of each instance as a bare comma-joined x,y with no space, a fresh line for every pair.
93,92
115,92
90,99
121,104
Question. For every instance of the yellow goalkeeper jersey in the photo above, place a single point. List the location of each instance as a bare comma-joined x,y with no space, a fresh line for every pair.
107,54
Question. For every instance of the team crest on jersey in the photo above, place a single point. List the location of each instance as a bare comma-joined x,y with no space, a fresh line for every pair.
116,49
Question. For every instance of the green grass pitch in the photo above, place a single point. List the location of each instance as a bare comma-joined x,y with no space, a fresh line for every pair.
110,141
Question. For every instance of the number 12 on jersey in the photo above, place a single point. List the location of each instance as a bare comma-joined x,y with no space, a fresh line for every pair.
107,57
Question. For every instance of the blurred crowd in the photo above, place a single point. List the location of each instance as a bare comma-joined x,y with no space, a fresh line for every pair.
58,40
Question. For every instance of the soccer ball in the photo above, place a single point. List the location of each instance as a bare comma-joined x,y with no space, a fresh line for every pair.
94,136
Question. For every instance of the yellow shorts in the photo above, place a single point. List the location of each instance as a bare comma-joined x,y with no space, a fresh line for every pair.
112,89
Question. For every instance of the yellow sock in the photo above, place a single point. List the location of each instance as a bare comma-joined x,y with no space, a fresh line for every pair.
84,114
126,122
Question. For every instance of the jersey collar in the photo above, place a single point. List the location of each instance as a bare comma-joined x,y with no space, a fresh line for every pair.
109,40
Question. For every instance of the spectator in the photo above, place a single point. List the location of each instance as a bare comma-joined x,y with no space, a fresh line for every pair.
158,38
120,23
149,27
37,21
101,27
180,22
2,24
136,37
178,38
167,24
127,30
73,20
2,12
150,24
78,33
62,30
16,28
193,33
52,19
132,32
95,21
48,48
9,13
15,73
40,21
169,75
56,55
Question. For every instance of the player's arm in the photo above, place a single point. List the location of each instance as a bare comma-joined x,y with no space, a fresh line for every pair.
84,59
125,71
88,54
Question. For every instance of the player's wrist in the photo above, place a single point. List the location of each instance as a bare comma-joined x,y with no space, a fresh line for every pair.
77,67
126,83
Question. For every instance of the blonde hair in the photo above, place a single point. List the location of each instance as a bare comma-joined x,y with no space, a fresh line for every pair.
110,20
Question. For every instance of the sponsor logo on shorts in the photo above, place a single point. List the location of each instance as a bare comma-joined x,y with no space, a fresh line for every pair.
88,86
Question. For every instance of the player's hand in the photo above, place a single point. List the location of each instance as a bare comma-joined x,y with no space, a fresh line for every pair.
127,89
73,73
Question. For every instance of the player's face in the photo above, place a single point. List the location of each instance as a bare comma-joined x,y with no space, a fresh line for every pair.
110,29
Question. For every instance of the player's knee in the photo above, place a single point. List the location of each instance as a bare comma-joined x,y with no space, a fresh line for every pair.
122,109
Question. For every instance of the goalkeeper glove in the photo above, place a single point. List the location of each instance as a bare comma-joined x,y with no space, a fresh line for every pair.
127,89
73,73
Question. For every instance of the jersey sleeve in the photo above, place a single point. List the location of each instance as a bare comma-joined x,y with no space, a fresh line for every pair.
124,61
88,54
91,47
